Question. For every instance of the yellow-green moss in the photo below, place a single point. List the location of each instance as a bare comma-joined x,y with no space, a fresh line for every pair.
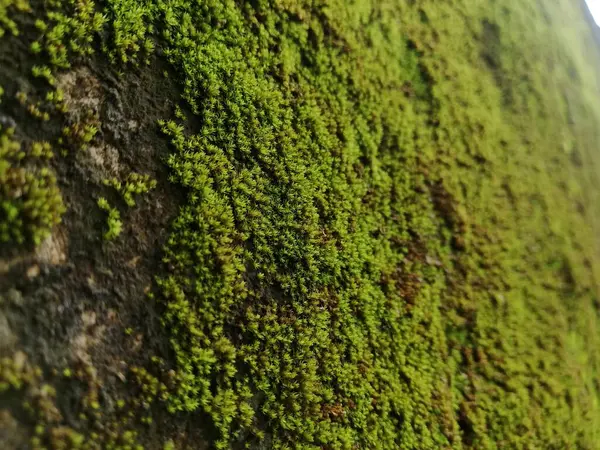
374,214
30,201
388,239
6,22
114,224
134,184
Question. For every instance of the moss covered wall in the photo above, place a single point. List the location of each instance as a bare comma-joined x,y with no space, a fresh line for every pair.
331,224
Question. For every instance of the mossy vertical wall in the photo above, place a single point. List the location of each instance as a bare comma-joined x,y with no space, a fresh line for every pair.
388,237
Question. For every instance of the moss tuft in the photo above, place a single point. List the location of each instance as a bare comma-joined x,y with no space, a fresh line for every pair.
114,223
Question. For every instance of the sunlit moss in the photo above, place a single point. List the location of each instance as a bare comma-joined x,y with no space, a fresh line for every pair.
7,7
135,184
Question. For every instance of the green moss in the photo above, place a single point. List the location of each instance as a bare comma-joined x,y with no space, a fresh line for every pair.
68,31
81,133
35,48
6,23
44,72
130,29
30,201
41,150
113,222
281,303
312,285
135,184
321,279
